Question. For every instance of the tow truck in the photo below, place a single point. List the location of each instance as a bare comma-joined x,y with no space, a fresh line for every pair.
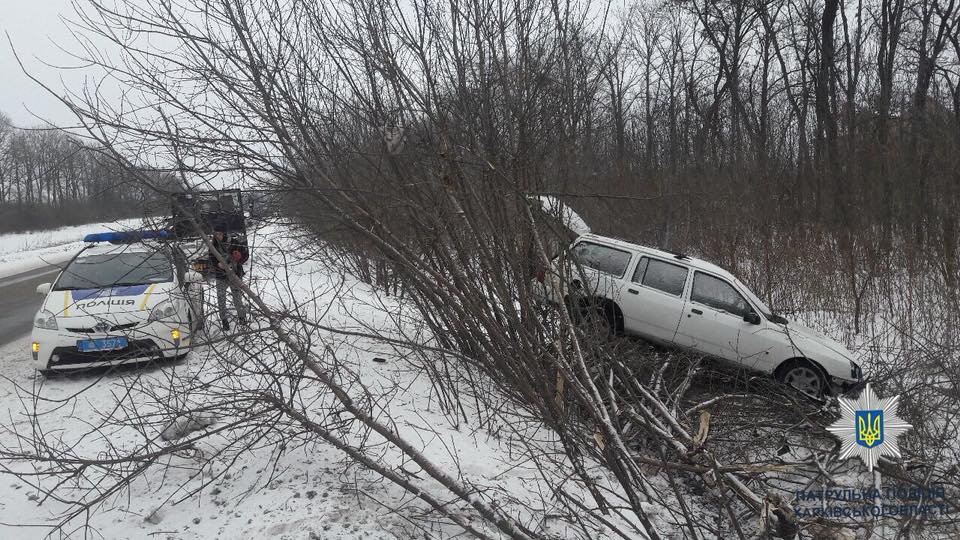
196,213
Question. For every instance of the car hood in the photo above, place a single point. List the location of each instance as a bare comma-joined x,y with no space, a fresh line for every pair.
107,301
816,345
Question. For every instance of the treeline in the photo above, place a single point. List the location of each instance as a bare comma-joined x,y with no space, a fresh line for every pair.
48,179
743,116
680,122
763,132
752,133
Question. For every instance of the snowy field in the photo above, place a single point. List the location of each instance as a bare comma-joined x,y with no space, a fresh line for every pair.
21,252
287,485
300,489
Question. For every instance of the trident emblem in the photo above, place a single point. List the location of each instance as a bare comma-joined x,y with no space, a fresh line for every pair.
869,428
864,424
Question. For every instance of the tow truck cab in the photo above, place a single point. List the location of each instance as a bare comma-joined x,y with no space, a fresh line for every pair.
197,213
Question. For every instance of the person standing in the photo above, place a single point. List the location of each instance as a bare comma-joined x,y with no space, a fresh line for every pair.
236,254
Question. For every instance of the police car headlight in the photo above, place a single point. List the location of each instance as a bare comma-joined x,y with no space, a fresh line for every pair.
163,310
45,321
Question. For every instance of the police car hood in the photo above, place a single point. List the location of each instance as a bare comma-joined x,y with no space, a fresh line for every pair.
124,299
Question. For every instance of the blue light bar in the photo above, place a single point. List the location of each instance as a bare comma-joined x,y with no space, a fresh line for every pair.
125,237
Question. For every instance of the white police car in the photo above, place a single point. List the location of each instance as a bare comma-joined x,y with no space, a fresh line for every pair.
119,300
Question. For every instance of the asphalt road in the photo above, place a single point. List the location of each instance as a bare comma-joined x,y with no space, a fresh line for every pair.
19,302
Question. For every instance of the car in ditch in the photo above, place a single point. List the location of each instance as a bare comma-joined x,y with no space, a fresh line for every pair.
689,303
122,299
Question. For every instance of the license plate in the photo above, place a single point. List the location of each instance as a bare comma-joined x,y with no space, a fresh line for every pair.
104,344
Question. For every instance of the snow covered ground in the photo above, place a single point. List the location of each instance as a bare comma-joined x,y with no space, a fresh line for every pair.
299,488
21,252
288,487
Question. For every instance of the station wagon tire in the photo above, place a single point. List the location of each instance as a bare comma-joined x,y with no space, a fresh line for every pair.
597,318
613,317
597,313
803,375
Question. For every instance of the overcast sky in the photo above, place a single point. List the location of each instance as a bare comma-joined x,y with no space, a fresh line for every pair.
33,26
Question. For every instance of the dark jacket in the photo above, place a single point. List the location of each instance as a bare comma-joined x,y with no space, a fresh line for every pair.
227,247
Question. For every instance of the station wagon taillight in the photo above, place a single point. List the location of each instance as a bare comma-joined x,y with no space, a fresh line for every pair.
541,275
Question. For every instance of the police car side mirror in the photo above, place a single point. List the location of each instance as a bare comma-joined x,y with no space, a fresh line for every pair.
192,276
43,288
751,317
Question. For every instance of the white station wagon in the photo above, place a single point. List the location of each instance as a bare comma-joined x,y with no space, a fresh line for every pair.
689,303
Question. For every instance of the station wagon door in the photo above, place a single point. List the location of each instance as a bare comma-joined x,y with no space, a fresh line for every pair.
712,322
653,299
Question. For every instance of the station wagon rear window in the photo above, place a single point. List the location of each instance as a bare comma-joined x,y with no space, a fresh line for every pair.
602,258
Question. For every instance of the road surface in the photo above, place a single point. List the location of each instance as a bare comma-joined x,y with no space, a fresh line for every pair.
19,301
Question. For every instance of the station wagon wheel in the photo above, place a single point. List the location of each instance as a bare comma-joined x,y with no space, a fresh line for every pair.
805,377
595,317
597,320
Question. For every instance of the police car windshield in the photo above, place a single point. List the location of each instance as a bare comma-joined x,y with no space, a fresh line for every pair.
115,269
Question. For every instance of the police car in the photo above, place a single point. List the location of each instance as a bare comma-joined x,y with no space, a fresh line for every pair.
124,298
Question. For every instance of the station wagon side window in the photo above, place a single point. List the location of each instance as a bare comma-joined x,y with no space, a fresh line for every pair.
603,258
661,275
718,294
